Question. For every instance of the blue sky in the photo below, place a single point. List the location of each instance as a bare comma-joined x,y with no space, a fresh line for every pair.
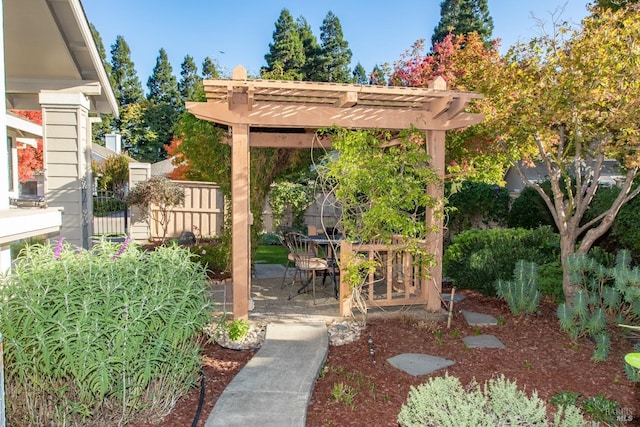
240,32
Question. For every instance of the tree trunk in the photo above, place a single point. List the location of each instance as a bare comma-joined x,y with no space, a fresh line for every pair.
567,248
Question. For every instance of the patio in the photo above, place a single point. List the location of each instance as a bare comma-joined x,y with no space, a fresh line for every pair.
271,303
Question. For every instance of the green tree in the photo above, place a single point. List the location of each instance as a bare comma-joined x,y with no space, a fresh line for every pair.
190,84
126,84
571,103
310,47
335,55
101,50
360,75
286,49
105,125
465,63
206,150
163,109
210,69
162,84
462,17
378,76
137,138
614,4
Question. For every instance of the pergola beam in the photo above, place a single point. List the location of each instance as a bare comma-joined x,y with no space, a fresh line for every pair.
274,115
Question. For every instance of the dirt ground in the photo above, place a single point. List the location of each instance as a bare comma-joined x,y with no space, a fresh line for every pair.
358,390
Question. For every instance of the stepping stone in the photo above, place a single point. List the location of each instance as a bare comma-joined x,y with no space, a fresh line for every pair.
483,341
456,297
479,319
418,364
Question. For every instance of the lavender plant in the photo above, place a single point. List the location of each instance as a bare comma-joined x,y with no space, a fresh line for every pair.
105,335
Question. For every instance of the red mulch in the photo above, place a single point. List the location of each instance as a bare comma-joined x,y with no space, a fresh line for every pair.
538,356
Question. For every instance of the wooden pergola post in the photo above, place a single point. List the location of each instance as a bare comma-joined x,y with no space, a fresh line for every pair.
435,148
287,114
241,220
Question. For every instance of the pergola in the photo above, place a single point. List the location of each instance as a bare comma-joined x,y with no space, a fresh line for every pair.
287,114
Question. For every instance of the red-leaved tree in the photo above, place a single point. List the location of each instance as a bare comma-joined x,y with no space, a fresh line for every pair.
30,159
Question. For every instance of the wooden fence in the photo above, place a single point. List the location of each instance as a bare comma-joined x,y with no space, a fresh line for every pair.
202,212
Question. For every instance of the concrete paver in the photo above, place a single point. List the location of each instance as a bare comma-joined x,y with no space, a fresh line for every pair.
483,341
479,319
418,364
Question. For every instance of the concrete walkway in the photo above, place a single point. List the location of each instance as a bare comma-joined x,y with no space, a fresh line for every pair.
274,388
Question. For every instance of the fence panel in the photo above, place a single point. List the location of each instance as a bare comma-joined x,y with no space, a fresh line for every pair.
202,212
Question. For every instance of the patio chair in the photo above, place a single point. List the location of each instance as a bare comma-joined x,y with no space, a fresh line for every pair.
290,259
306,260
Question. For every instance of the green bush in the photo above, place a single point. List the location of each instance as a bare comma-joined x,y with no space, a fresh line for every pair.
443,401
109,335
270,239
550,280
477,258
212,253
624,232
529,211
521,293
475,204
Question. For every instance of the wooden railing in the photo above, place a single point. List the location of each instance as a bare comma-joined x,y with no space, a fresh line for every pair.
400,278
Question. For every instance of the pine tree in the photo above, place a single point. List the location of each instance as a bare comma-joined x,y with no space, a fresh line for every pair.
286,48
101,50
310,47
162,84
378,76
163,110
461,17
210,69
105,125
190,84
335,55
126,85
360,75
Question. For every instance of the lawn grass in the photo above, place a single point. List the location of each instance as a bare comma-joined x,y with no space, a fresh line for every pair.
271,254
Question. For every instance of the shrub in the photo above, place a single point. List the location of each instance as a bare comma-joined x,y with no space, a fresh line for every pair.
550,280
521,293
477,258
270,239
605,295
158,191
624,232
443,401
529,211
107,335
113,173
476,204
213,254
295,197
